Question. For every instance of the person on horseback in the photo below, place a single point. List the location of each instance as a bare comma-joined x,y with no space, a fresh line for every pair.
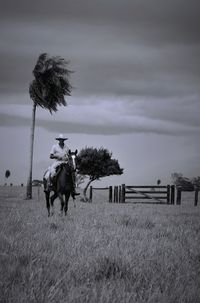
59,152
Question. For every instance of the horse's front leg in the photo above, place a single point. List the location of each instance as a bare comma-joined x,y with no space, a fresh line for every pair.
74,201
55,195
62,203
66,202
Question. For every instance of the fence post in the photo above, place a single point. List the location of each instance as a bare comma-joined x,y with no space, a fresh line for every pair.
172,194
38,192
123,193
120,194
110,194
90,198
178,198
196,196
115,194
168,194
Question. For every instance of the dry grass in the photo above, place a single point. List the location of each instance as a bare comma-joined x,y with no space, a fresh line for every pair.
100,252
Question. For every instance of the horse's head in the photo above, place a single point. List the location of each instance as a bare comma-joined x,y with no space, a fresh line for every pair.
72,159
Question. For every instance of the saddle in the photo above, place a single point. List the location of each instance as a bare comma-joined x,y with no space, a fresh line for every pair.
54,178
50,182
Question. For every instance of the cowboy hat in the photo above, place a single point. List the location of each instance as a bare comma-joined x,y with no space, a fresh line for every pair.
61,137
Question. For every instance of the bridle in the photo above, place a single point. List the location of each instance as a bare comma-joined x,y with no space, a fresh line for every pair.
72,160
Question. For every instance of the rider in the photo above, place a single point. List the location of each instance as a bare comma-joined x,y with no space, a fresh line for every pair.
59,152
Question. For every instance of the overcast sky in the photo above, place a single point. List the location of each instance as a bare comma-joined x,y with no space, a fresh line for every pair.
136,84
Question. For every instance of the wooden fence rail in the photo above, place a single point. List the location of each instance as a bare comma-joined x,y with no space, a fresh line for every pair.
159,194
132,193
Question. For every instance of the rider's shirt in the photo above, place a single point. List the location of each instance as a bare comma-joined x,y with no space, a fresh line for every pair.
60,153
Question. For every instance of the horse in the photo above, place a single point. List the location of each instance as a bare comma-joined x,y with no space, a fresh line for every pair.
63,186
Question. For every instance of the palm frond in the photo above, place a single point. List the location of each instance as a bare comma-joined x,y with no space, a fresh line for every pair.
51,83
35,92
40,64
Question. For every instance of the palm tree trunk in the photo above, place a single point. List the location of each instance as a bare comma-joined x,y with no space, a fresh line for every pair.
29,182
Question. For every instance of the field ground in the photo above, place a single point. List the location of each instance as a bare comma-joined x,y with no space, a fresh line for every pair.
100,252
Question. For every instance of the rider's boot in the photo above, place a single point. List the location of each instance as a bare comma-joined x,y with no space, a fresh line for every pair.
74,194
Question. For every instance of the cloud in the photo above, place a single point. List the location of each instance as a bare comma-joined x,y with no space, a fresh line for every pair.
110,117
144,48
184,111
136,82
175,20
136,63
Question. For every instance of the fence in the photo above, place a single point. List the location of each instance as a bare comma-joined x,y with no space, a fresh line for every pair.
114,193
157,194
109,189
179,195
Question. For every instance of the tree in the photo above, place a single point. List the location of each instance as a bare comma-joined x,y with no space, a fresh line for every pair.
80,179
7,175
96,163
158,182
47,90
37,182
180,181
176,177
196,181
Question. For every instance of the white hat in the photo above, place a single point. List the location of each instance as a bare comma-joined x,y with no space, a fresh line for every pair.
61,137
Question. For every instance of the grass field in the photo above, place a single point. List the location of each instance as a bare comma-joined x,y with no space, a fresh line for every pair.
100,252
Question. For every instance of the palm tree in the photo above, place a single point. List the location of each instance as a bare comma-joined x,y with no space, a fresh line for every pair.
7,175
158,182
47,90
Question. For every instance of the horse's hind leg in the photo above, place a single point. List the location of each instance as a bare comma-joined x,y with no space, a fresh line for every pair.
47,195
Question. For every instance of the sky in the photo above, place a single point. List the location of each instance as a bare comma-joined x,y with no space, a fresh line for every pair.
135,84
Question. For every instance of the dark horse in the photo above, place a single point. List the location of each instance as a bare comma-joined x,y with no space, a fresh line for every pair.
63,187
